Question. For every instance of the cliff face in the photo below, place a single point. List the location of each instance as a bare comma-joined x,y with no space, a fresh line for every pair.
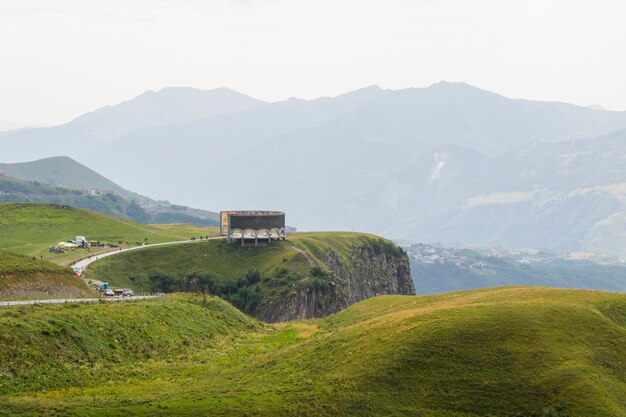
368,271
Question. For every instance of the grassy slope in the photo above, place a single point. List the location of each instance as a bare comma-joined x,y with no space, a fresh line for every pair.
31,228
22,276
224,261
503,352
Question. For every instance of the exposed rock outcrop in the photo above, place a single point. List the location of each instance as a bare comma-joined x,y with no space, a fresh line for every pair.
377,268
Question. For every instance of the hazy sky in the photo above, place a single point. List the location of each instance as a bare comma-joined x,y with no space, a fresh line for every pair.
61,58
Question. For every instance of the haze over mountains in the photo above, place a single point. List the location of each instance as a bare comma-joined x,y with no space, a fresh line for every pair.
6,125
447,163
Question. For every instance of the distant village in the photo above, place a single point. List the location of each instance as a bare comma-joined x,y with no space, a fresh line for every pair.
470,257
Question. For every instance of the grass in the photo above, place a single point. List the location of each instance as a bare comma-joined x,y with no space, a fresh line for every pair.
30,229
24,277
503,352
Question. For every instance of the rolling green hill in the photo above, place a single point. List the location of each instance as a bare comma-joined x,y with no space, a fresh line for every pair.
19,191
504,352
61,180
31,228
307,275
147,212
63,170
23,277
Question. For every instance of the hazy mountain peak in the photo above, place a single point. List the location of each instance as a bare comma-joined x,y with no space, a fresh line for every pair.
6,125
362,93
452,85
169,105
459,87
369,89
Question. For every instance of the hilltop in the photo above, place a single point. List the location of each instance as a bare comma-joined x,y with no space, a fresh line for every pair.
24,277
308,275
506,352
30,229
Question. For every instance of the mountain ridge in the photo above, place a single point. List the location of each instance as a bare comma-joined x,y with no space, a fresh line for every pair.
433,159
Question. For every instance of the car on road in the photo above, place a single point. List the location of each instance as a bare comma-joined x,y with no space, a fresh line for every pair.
127,292
109,293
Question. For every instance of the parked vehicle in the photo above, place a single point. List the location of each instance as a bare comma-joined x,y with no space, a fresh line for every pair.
127,292
109,293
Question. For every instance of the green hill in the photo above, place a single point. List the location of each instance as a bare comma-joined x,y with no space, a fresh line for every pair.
19,191
31,228
23,277
503,352
65,171
61,180
307,275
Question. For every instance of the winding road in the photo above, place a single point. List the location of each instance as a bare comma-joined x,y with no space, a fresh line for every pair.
77,300
83,263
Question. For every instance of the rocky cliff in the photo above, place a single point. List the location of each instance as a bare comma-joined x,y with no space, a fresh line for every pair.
377,267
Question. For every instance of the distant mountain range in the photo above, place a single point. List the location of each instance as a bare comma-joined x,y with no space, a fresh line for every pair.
447,163
83,135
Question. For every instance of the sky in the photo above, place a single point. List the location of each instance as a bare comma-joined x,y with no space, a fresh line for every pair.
62,58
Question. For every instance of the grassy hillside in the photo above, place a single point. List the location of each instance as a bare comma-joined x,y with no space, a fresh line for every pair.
13,190
249,277
38,181
145,211
24,277
505,352
66,171
31,228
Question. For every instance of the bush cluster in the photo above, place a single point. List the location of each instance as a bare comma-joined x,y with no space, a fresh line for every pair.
242,292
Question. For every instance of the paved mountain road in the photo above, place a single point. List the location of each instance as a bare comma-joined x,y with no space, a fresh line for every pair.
88,261
77,300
